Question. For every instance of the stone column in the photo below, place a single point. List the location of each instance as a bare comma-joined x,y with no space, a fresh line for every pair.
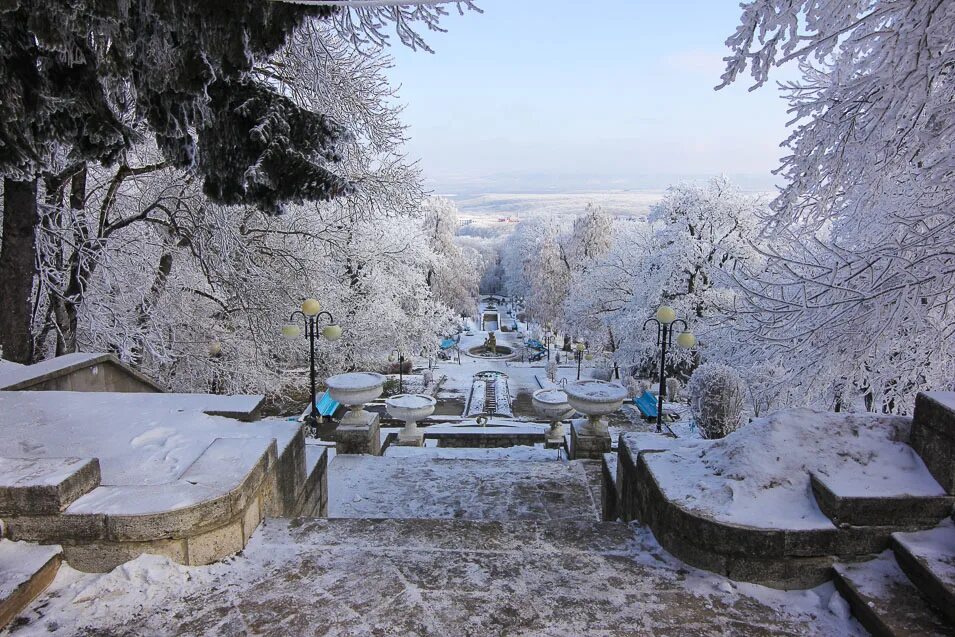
359,435
589,441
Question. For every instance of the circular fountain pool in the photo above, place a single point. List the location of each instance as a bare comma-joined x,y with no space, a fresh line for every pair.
502,352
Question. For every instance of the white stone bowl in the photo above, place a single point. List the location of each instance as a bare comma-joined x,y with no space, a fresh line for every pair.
595,398
552,404
410,407
355,388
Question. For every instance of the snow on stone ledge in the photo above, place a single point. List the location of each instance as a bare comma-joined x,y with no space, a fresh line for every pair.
410,401
759,475
598,390
19,561
551,396
355,381
140,439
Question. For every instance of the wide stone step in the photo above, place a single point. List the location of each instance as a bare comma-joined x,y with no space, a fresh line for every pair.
424,486
885,602
45,486
25,571
928,558
910,500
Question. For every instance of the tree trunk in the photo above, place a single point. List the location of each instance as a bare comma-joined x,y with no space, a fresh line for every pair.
18,269
67,307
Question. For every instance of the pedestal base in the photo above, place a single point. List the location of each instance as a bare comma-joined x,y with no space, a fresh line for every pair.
554,436
410,440
586,443
359,437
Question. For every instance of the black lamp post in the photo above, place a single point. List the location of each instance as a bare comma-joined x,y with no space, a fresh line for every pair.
311,314
548,337
579,349
665,320
401,368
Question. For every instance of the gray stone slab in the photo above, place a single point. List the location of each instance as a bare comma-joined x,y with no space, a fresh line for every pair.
444,578
44,486
427,487
928,558
886,602
878,510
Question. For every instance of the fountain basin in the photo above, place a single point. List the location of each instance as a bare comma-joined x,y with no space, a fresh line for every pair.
482,352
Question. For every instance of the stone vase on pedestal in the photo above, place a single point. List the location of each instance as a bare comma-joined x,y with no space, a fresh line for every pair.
552,404
596,399
358,431
411,408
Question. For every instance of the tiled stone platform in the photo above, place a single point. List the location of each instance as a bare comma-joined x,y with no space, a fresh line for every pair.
433,487
434,577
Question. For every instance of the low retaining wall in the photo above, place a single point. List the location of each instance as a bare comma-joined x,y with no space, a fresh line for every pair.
780,558
207,531
485,440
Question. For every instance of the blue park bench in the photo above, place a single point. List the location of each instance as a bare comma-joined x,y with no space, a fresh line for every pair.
326,405
647,404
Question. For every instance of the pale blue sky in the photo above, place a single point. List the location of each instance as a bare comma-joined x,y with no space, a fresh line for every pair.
537,95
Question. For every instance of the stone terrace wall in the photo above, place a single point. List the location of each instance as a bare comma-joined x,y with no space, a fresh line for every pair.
277,485
781,558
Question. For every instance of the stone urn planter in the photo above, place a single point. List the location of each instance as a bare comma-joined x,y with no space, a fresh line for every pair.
410,408
596,399
552,404
354,390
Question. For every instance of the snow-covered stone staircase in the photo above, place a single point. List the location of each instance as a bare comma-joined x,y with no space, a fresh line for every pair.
26,570
439,483
910,588
907,591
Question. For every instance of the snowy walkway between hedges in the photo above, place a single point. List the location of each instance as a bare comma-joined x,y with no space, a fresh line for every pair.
431,577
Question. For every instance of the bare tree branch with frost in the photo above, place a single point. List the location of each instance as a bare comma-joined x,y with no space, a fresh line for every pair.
859,288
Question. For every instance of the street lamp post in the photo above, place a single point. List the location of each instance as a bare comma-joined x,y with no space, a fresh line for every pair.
311,314
548,336
401,367
665,320
579,348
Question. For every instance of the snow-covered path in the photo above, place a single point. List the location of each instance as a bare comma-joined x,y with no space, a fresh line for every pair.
431,577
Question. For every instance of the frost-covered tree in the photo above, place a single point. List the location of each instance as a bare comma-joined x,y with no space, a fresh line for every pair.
86,81
455,270
859,288
699,233
177,272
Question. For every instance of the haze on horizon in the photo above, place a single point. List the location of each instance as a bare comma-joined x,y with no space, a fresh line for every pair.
537,96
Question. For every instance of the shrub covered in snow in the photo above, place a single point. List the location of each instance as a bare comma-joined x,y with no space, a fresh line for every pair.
552,370
636,386
674,387
716,394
